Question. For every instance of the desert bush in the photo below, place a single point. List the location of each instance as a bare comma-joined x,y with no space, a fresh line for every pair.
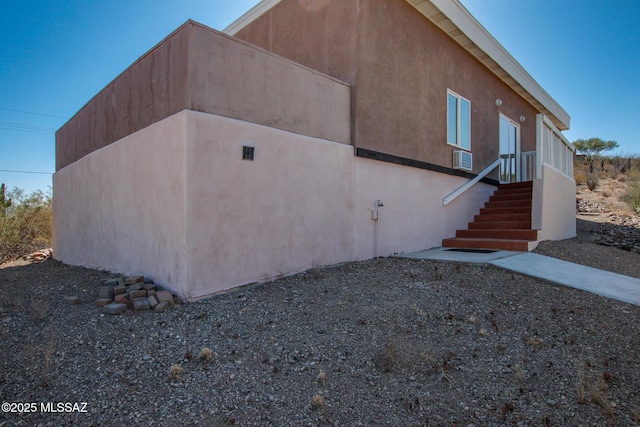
633,162
617,165
632,196
26,224
592,180
580,177
622,164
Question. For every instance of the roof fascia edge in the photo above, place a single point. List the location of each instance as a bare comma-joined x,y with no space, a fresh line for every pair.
252,14
466,23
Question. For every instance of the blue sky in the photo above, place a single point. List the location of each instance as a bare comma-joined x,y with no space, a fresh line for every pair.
56,55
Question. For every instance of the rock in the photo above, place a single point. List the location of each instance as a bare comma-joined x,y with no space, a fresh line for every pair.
152,301
122,299
110,282
72,299
137,294
101,302
141,304
114,308
132,280
161,307
164,296
106,292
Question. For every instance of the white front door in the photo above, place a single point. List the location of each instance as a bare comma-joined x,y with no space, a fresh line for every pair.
509,150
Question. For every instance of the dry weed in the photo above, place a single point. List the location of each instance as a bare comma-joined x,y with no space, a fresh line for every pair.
581,392
48,360
317,401
175,372
535,340
519,373
205,354
580,177
40,307
387,359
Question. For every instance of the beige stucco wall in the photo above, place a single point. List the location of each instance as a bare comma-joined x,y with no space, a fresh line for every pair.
121,208
554,205
176,202
286,211
413,217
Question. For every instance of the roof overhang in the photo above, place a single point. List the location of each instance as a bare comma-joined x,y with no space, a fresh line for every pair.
454,19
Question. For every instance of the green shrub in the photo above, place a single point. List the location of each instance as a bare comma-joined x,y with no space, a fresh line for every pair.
25,225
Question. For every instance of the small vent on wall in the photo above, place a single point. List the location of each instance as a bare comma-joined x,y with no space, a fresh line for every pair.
462,160
247,152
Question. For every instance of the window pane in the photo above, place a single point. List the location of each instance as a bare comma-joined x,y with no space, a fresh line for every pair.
465,124
452,120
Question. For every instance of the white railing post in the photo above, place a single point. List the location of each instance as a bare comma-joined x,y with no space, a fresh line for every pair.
552,148
539,145
529,166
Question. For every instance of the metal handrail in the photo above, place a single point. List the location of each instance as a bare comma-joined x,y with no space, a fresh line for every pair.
464,187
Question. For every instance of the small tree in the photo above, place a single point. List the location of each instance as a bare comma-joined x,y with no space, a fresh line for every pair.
591,149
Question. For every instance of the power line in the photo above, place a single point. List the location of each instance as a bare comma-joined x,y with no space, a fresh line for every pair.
35,114
33,172
27,128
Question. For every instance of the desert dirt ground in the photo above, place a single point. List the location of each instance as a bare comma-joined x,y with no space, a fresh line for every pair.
381,342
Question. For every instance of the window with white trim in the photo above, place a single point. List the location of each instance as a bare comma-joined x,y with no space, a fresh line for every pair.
458,121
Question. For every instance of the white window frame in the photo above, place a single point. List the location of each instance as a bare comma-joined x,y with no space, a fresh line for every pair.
458,137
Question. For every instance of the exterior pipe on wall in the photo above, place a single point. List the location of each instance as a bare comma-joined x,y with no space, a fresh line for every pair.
375,215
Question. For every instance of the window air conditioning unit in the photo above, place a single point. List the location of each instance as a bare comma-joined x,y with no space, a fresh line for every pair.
462,160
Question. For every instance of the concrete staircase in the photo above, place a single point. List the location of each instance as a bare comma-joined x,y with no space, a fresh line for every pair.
503,224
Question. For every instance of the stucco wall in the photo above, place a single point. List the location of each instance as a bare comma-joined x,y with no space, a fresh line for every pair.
286,211
201,69
231,78
405,66
177,203
554,205
121,207
320,34
412,217
401,69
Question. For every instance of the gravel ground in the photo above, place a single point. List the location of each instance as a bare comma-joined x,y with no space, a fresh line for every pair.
385,342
